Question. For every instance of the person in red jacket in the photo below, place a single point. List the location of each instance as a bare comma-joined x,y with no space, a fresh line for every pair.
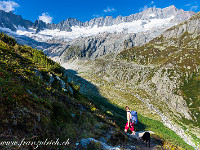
129,124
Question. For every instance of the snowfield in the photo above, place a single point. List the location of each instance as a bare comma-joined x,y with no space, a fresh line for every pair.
126,27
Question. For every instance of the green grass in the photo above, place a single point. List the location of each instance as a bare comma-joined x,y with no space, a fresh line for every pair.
145,124
183,54
119,115
32,107
191,93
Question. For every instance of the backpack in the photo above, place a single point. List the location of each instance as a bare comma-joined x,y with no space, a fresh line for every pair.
134,118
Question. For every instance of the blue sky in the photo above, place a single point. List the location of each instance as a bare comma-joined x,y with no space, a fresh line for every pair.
84,10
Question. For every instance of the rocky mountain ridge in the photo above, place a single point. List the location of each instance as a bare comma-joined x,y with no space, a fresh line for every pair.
14,21
93,47
150,13
95,38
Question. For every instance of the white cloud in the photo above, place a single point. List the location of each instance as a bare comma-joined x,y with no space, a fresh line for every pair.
96,15
194,8
108,9
144,8
147,6
45,17
187,5
8,6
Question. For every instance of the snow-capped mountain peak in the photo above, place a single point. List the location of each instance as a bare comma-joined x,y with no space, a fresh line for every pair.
81,31
132,30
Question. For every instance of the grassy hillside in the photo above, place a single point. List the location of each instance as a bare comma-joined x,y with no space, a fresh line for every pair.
183,55
181,51
115,97
34,108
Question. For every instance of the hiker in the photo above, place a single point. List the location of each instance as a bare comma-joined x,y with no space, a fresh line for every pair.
129,121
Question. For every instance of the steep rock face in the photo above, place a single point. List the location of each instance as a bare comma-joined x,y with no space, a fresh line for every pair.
93,47
89,39
156,82
39,25
176,50
191,26
12,21
150,13
65,25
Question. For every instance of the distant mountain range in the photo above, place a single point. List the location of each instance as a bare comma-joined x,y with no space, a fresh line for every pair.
13,22
94,38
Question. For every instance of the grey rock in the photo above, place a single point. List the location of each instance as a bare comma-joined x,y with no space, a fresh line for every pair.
62,83
179,15
85,142
12,21
39,25
51,78
103,140
191,26
71,90
93,47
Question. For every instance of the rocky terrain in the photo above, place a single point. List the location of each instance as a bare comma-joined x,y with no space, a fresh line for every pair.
41,101
114,41
12,21
95,38
163,74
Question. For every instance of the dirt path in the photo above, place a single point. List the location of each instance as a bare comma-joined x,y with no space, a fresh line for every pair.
140,145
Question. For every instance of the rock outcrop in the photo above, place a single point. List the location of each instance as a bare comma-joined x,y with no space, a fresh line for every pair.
12,21
97,46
